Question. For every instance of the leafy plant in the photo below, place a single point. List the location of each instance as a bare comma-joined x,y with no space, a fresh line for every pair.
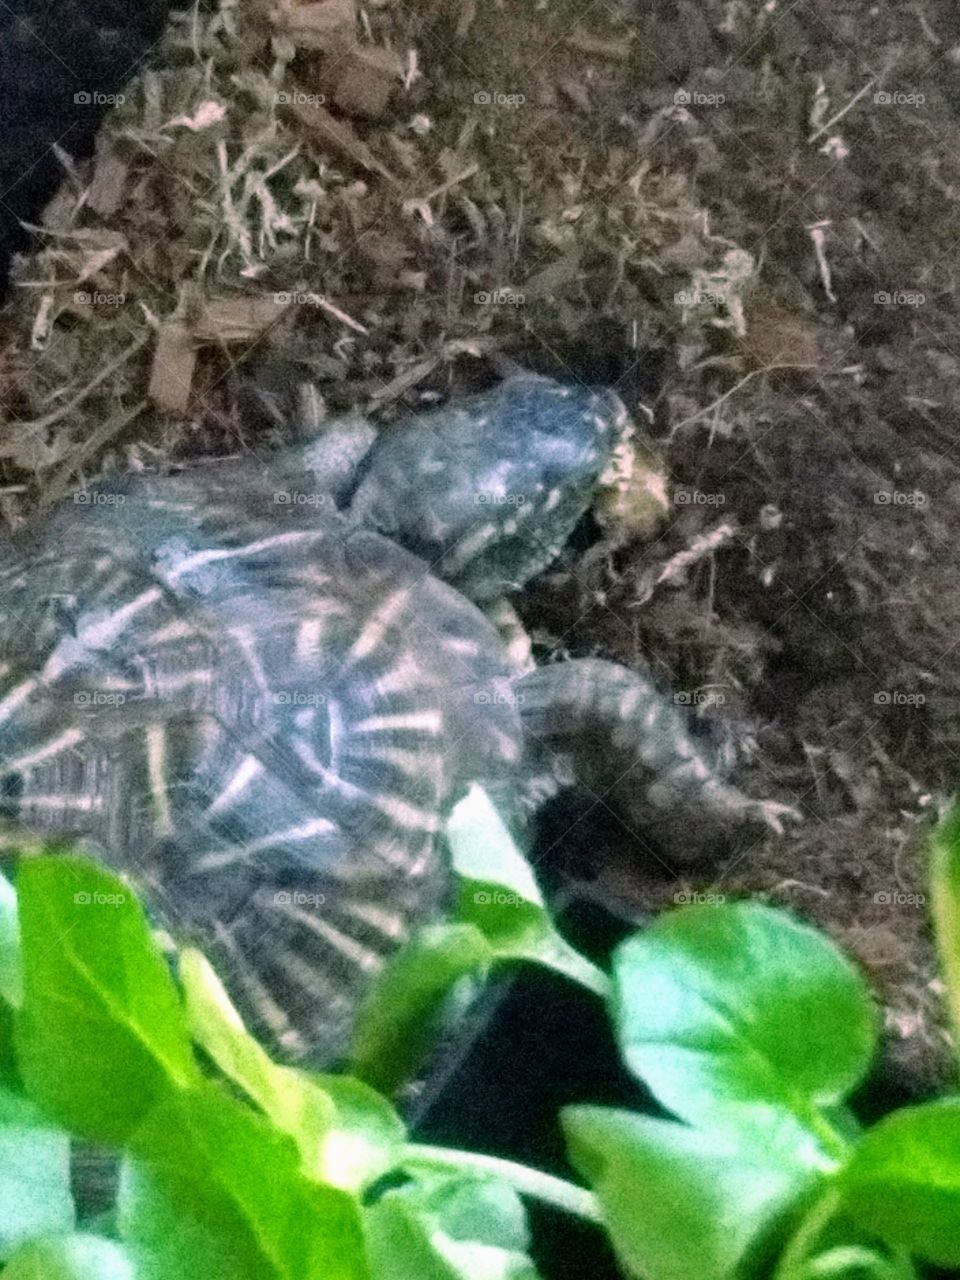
749,1028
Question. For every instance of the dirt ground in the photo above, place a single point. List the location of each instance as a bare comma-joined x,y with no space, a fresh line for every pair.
741,214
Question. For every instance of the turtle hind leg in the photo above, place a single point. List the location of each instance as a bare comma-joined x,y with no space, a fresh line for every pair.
615,733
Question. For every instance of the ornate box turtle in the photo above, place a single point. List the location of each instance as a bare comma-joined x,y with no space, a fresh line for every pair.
256,689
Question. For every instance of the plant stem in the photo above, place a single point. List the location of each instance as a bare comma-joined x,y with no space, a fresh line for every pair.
811,1227
529,1182
832,1140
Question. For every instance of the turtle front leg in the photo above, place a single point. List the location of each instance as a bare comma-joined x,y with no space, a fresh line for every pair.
614,732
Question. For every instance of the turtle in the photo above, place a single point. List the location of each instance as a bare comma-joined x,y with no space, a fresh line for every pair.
256,688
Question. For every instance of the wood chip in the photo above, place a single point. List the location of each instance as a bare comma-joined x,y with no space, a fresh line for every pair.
466,17
366,78
238,318
548,282
341,137
171,375
324,25
105,193
615,50
576,93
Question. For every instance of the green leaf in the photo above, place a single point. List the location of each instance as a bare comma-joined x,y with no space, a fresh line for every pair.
680,1202
34,1175
499,896
903,1181
945,907
347,1135
718,1008
291,1101
366,1138
9,1074
77,1257
101,1033
11,980
483,849
11,976
852,1262
213,1189
399,1021
449,1228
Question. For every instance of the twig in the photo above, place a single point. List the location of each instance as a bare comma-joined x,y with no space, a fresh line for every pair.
61,482
676,567
843,110
318,300
710,408
40,424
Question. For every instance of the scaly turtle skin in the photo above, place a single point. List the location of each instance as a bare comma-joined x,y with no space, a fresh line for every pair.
238,689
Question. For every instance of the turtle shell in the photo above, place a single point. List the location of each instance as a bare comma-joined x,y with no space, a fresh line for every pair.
260,715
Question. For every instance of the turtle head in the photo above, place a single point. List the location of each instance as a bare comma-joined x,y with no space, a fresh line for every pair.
487,489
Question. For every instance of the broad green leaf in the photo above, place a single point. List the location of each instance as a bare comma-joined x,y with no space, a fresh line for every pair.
11,980
853,1262
680,1202
178,1230
945,907
718,1008
499,896
212,1188
77,1257
101,1033
34,1175
449,1228
903,1181
288,1098
9,1074
402,1015
366,1138
11,976
216,1025
483,849
347,1135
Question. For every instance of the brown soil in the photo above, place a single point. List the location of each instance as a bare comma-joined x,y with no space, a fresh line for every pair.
743,215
